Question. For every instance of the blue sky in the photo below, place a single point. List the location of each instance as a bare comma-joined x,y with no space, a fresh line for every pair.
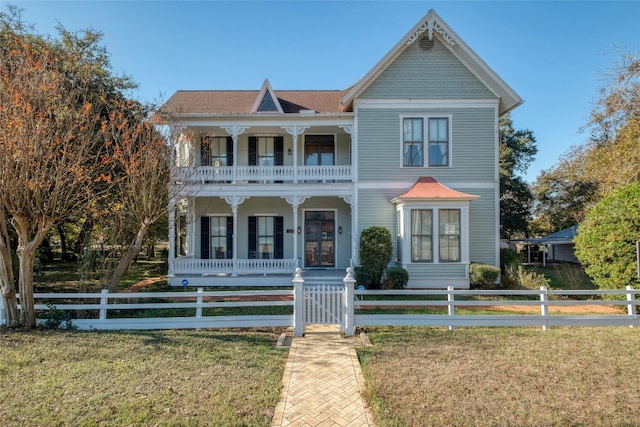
553,54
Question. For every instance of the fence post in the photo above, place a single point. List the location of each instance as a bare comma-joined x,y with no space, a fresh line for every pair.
631,300
450,307
199,300
298,303
348,324
544,308
104,302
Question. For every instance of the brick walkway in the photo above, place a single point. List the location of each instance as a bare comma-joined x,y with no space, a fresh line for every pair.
322,382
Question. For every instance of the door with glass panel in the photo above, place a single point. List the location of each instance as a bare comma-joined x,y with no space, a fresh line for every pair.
319,239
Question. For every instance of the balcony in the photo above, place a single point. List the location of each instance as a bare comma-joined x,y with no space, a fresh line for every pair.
243,174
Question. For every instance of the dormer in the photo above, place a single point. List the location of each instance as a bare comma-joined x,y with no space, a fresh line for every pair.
266,101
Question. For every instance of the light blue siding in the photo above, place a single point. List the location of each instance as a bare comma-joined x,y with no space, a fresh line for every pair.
434,73
473,144
483,233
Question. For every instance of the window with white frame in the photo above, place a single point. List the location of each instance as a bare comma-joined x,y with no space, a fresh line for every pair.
266,237
449,235
436,136
412,141
218,237
421,235
439,141
423,245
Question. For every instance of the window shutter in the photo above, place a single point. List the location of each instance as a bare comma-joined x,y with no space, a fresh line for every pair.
204,237
279,237
278,147
205,157
229,237
229,151
253,238
253,151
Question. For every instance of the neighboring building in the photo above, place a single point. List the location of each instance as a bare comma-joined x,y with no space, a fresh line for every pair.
281,179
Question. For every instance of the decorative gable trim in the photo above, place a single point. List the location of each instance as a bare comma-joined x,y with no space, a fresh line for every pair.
271,98
430,26
432,23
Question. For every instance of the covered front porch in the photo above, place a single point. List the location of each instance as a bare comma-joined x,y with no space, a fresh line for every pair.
259,240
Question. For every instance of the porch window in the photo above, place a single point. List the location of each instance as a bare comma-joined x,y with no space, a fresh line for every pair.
216,151
266,237
216,237
421,235
449,235
413,142
439,142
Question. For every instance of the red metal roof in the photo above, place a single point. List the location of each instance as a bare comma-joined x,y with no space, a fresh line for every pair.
427,188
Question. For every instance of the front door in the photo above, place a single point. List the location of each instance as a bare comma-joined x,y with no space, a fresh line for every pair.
319,239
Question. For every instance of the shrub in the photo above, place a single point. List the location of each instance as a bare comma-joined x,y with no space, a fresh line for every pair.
397,278
57,318
510,260
375,254
531,279
482,275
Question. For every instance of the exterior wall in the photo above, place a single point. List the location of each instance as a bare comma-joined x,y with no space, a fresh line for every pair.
435,73
562,252
473,144
483,231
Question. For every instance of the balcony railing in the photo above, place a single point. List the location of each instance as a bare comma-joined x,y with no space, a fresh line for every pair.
242,174
188,265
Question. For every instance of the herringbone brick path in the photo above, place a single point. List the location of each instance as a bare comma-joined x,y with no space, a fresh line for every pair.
322,383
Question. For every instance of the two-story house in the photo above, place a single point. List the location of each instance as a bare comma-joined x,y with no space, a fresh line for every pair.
272,179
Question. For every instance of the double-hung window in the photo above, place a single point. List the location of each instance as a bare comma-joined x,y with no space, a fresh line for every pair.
413,142
449,235
447,245
436,136
439,142
421,235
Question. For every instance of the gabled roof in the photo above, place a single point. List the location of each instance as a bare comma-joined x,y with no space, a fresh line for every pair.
434,26
223,102
427,188
565,236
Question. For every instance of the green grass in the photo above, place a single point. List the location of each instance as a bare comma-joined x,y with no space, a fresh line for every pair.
503,376
159,378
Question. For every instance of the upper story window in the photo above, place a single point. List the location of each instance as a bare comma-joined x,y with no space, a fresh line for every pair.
412,141
437,135
439,142
215,151
266,152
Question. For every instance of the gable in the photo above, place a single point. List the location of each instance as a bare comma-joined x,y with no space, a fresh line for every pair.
435,29
427,70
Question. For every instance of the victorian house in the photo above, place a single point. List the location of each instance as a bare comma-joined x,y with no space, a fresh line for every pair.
271,179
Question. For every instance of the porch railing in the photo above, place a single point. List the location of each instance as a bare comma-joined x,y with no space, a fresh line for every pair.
229,266
224,174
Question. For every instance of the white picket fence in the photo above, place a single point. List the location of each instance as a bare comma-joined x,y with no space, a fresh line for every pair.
343,305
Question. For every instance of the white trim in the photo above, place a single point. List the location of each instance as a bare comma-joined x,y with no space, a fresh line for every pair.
209,121
426,103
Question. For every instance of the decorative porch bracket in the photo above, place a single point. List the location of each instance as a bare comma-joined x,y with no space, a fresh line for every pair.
235,131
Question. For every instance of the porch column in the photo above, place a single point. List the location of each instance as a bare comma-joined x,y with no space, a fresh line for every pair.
172,234
295,201
235,131
294,131
235,201
349,201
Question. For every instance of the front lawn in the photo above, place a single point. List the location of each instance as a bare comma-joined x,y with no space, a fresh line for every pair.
159,378
503,376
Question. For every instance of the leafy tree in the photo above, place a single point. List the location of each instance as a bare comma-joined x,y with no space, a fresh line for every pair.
53,99
563,194
375,255
606,240
517,150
